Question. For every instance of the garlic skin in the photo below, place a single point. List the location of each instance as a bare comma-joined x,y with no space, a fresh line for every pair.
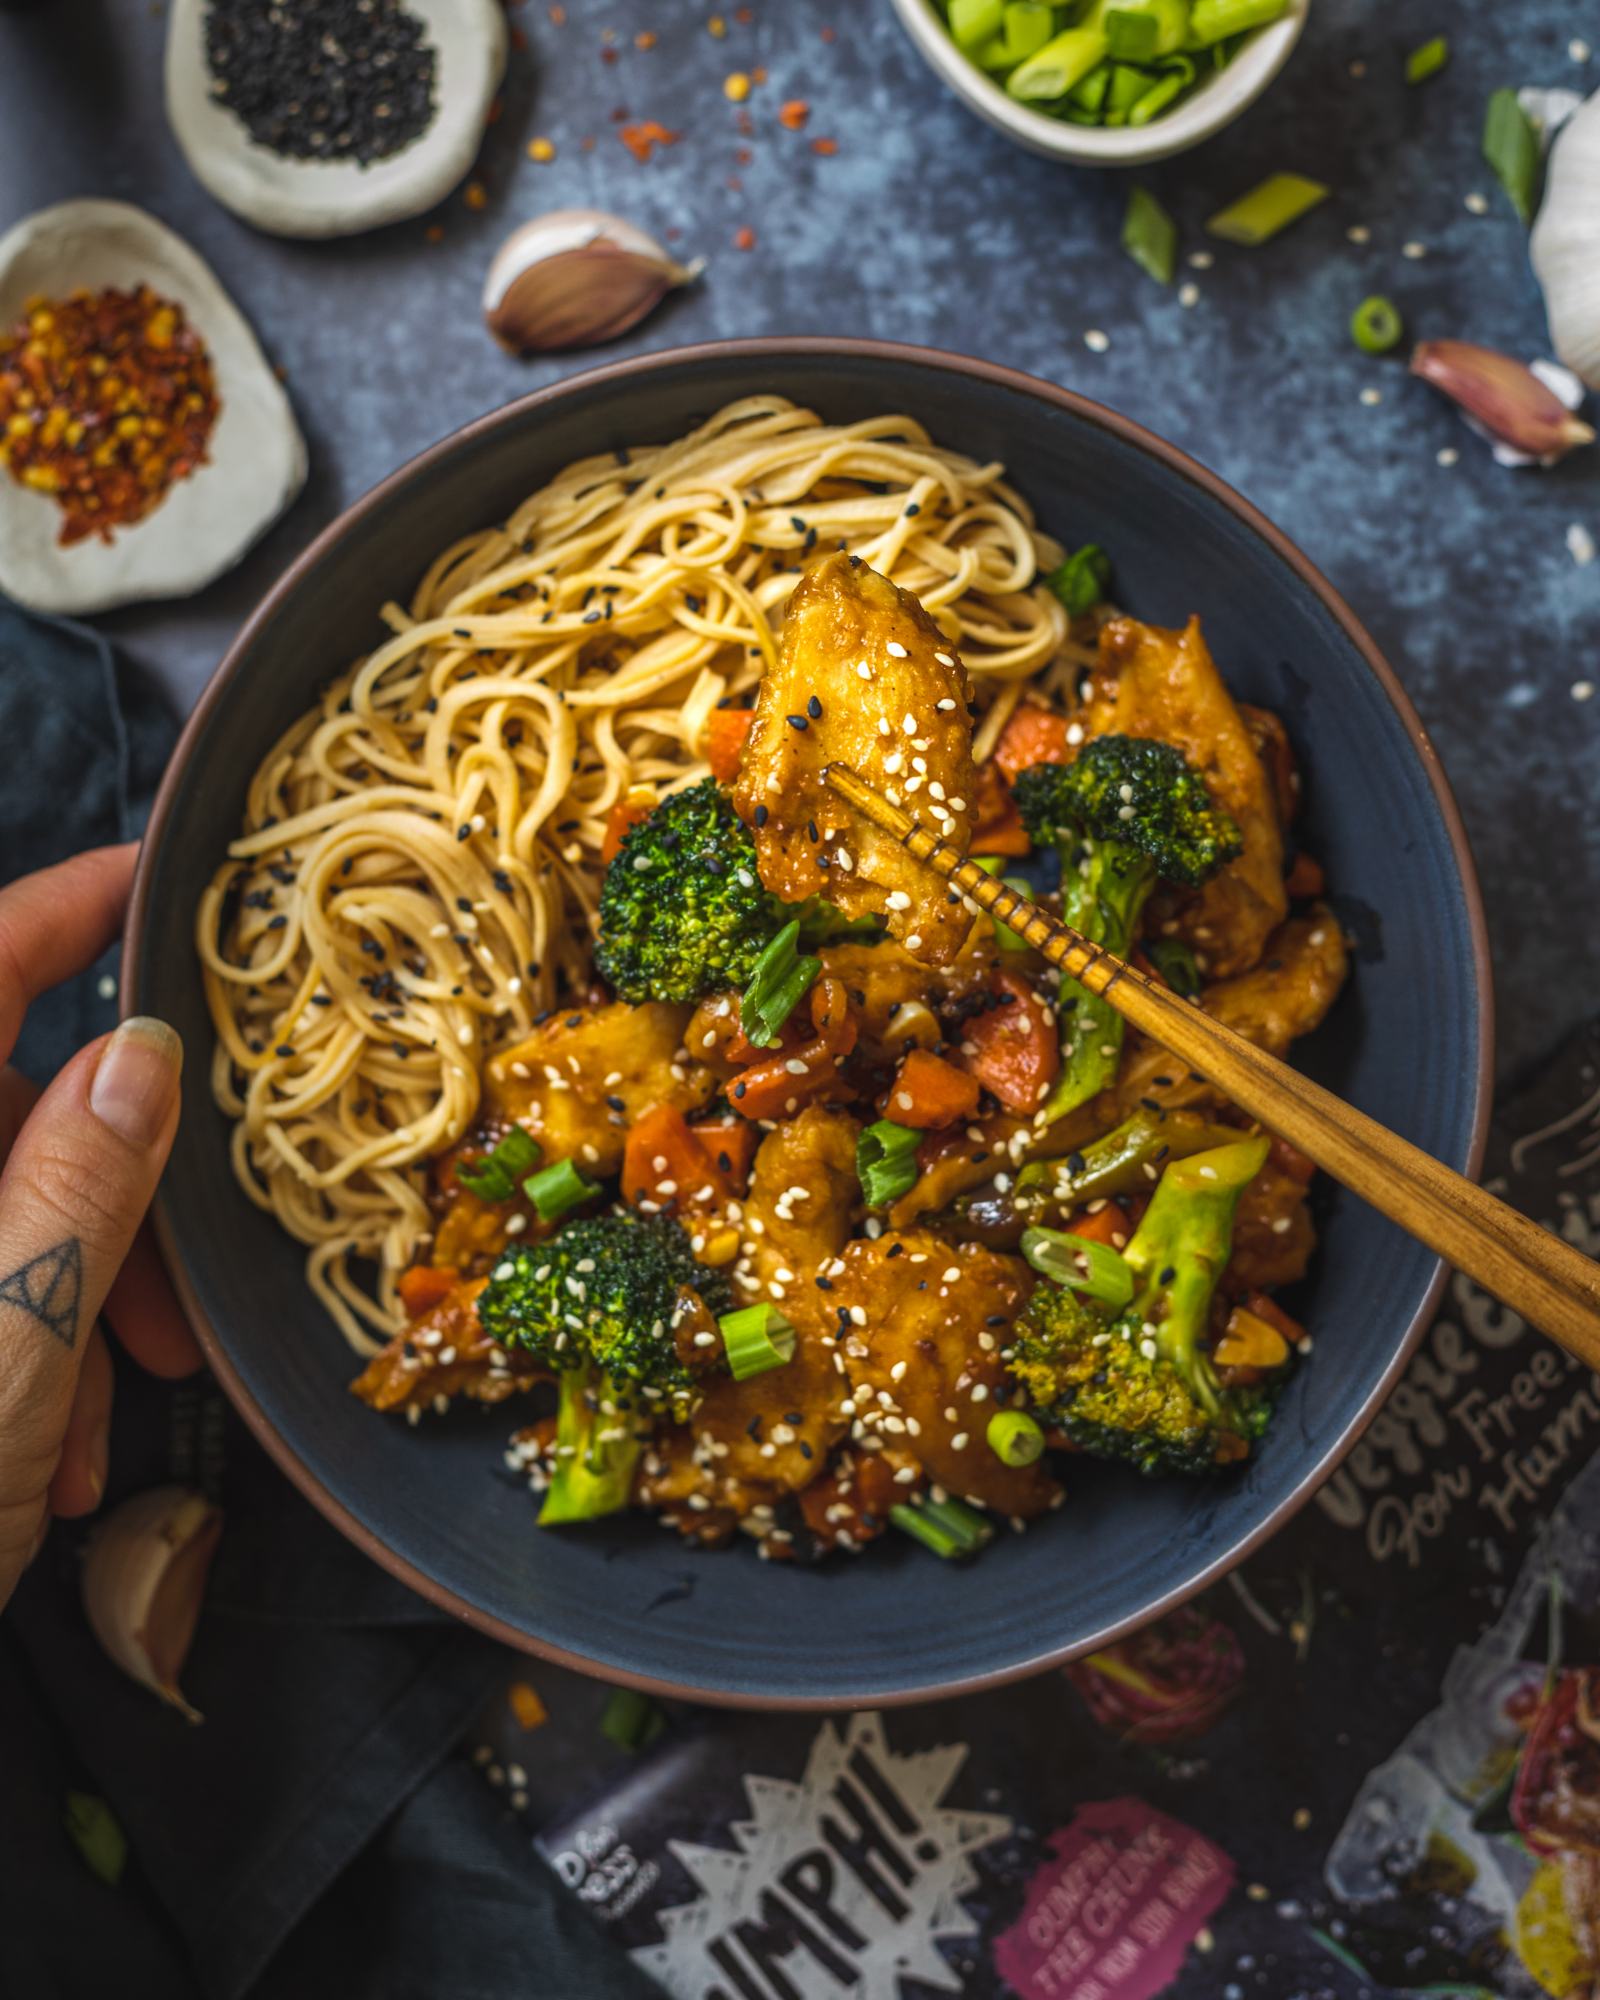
144,1580
576,277
1519,412
1565,245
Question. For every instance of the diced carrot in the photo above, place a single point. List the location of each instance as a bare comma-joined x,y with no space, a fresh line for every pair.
1034,735
1305,878
664,1135
770,1089
425,1286
1291,1161
996,824
1275,1316
1105,1224
1249,1341
731,1143
526,1706
632,807
929,1092
727,732
1015,1051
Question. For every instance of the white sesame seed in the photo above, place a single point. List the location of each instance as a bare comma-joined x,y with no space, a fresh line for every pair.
1415,251
960,1441
1096,341
1201,260
1583,690
895,650
863,670
1475,203
908,723
1371,397
1580,544
1188,295
1358,232
1579,50
1448,456
897,899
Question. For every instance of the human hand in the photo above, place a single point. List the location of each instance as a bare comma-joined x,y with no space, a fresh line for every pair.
81,1162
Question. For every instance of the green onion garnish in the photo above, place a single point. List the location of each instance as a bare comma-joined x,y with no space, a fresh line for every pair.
886,1161
631,1719
1173,84
973,22
95,1831
1215,20
1094,1269
1511,146
1149,234
1428,60
495,1176
758,1339
1176,963
1028,24
1064,61
777,985
556,1189
1272,205
1131,34
1014,1437
1376,325
1083,579
1090,95
949,1527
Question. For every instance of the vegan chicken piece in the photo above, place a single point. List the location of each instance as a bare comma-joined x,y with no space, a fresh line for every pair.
1153,682
444,1352
864,678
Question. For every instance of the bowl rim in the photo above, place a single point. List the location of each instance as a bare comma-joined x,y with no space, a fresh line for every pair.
900,355
1221,99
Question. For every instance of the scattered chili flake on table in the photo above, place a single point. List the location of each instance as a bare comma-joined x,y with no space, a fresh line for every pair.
745,239
642,140
645,39
106,400
794,113
826,147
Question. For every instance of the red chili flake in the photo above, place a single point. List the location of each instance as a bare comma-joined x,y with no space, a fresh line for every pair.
830,34
744,124
107,399
608,55
642,140
519,40
758,74
620,115
495,112
745,238
826,147
587,142
744,15
558,17
743,157
733,184
645,39
794,113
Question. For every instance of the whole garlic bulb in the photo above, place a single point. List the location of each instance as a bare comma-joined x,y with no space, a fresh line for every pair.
1565,246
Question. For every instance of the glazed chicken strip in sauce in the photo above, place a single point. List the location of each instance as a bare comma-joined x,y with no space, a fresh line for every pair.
864,678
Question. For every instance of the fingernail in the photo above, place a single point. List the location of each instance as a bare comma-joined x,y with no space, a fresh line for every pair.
136,1083
99,1459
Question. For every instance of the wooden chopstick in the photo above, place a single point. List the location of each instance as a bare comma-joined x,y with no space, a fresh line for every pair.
1551,1284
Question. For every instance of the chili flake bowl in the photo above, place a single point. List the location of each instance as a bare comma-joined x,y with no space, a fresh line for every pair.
320,198
619,1597
1214,103
255,456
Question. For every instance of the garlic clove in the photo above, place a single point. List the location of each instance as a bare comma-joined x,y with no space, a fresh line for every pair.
144,1579
574,278
1508,403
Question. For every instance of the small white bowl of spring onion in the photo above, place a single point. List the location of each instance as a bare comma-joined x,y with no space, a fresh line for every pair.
1110,83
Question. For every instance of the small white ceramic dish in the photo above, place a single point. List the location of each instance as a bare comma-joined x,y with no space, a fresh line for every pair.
257,457
290,197
1215,103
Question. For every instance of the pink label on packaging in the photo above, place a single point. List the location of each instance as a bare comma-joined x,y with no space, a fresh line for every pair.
1111,1916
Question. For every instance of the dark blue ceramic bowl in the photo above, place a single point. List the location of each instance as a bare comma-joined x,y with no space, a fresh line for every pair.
1408,1042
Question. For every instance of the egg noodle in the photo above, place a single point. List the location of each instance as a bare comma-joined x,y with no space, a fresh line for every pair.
419,870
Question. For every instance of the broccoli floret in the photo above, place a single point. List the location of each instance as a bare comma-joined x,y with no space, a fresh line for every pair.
599,1303
1141,1385
682,909
1127,813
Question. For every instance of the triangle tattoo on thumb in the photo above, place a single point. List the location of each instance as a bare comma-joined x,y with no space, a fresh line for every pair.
48,1288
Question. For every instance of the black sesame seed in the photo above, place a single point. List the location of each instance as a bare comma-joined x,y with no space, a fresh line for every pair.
761,815
284,1049
814,708
796,721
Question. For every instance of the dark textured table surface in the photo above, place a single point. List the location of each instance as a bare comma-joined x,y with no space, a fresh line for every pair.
926,226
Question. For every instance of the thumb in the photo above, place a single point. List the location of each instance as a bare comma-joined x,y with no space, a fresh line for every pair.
79,1179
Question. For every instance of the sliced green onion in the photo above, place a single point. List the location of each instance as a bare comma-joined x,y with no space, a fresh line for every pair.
758,1339
556,1189
631,1719
886,1161
973,22
1128,85
949,1527
1094,1269
1215,20
1131,34
1027,29
779,982
1014,1437
1084,578
495,1176
1270,206
487,1181
1149,234
1063,62
1090,95
1155,100
1176,963
1511,146
1428,60
94,1830
1376,325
